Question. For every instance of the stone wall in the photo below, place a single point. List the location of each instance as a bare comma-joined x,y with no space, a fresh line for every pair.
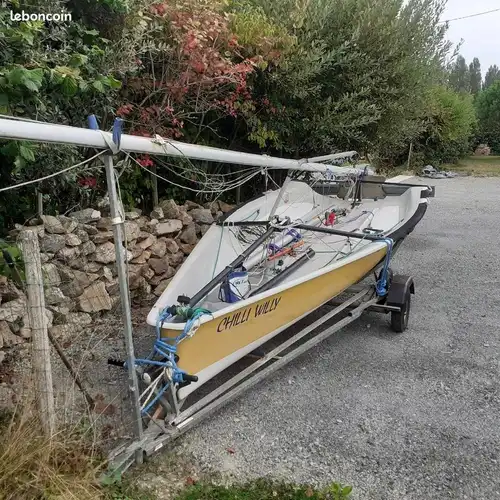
78,263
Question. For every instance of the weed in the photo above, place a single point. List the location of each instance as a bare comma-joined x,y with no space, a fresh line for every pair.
264,490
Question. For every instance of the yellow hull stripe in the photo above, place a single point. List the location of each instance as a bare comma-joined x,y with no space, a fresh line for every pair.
220,337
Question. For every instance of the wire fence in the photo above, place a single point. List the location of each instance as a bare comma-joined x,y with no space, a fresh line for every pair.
61,319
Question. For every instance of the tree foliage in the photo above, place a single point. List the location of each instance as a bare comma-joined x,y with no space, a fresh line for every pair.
450,124
358,74
492,75
475,76
459,76
289,77
488,113
50,72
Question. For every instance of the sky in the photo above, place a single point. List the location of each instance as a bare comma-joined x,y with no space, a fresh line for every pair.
481,34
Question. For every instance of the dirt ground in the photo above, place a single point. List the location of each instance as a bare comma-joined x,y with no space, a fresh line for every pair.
408,416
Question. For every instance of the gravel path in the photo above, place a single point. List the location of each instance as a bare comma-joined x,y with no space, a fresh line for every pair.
411,416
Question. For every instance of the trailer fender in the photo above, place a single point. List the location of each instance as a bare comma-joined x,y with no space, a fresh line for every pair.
399,289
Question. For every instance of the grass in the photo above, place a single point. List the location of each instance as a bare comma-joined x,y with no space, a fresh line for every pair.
478,166
33,466
264,490
259,489
67,466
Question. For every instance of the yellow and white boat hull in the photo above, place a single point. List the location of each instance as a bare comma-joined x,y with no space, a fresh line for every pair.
235,329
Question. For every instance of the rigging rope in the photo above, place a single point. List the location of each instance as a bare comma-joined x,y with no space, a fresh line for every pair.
15,186
219,190
167,351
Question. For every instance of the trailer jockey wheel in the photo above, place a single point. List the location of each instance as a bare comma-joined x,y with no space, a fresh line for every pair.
399,319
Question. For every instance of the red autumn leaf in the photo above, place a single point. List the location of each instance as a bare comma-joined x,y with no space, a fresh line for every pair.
198,66
145,161
88,182
231,451
160,9
124,110
190,481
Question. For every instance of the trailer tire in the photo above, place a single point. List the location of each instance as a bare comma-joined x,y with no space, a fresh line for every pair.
399,319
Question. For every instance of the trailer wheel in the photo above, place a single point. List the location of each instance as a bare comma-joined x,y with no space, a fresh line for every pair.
399,320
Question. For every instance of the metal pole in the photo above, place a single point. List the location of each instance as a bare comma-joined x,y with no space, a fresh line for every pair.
117,219
335,156
63,134
280,196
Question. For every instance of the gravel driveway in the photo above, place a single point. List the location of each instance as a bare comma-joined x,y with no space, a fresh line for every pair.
410,416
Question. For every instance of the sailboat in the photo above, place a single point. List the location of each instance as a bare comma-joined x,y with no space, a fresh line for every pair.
272,261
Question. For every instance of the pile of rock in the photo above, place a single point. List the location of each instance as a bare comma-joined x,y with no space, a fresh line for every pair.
483,150
78,262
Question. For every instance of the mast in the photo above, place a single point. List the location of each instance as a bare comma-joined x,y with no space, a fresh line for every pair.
64,134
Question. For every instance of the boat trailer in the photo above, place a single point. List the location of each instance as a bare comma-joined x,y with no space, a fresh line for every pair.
161,430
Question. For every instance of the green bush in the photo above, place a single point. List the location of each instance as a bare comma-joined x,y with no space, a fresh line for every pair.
449,126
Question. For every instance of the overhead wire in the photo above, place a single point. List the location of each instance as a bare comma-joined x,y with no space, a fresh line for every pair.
470,15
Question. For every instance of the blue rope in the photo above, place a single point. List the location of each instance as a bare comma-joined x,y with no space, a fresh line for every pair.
381,286
168,350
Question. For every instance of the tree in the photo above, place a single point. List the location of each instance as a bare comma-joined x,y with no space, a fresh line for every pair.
475,76
359,75
450,123
492,75
488,113
459,77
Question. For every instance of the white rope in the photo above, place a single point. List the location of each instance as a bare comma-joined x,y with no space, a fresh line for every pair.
213,182
240,182
27,183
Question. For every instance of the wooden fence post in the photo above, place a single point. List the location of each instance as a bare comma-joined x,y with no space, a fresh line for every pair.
40,352
154,182
409,155
39,203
